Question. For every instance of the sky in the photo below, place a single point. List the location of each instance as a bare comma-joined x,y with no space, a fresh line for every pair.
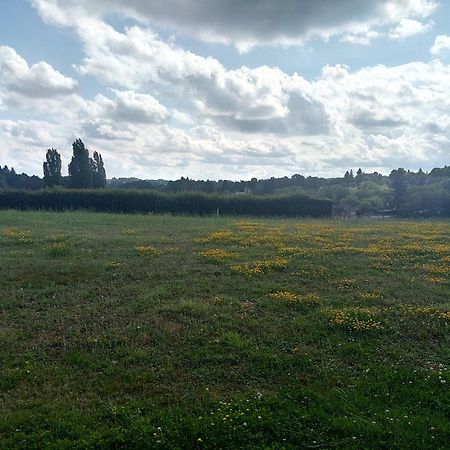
227,89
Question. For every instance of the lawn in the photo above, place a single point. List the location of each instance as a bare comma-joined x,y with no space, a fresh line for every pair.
122,331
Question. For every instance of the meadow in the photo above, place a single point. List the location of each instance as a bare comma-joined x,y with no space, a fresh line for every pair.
145,331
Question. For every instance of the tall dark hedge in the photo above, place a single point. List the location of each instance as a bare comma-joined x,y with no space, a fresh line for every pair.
128,201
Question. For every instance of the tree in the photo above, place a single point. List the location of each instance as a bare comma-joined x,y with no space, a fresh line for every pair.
349,177
80,168
268,185
52,168
359,176
421,177
399,185
98,171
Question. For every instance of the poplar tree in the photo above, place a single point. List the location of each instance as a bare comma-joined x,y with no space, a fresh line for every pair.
80,168
52,168
98,171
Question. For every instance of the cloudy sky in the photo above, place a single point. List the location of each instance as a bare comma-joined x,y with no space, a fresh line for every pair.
227,88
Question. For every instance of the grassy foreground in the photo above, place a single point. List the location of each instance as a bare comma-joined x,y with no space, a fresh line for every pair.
174,332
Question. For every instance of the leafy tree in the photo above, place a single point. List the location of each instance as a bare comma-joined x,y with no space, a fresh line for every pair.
209,187
359,176
349,177
80,168
399,184
98,171
441,172
269,185
421,177
52,168
19,181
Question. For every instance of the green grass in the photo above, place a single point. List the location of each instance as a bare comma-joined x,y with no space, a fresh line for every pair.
178,332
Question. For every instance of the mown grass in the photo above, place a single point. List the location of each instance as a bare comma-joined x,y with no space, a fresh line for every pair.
177,332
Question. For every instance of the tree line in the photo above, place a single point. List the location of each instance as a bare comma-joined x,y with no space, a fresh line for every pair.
402,192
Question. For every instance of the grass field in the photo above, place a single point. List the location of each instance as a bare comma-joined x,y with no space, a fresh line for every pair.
175,332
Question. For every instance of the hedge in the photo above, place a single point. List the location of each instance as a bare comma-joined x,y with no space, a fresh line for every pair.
138,201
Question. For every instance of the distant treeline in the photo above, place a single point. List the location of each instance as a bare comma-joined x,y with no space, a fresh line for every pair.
402,193
130,201
9,179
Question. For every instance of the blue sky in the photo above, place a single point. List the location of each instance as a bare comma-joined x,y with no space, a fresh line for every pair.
165,90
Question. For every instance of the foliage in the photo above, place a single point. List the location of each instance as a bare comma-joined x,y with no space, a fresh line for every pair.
52,168
128,201
86,172
403,193
80,167
98,171
9,179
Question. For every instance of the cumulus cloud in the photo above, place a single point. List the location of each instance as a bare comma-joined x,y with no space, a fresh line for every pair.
263,99
37,87
384,113
361,37
252,22
409,27
130,106
441,45
39,80
405,28
26,132
117,118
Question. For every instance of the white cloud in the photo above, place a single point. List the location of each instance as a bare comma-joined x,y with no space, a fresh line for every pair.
39,80
409,27
250,22
441,45
363,37
263,99
129,106
117,119
384,114
36,88
405,28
